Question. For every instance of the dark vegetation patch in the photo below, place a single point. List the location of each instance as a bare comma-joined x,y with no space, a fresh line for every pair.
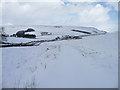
81,31
45,33
58,26
37,43
23,34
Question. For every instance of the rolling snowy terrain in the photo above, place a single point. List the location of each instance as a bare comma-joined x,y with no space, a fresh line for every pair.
90,62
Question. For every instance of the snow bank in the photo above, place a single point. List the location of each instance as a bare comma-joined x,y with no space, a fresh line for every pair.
90,62
0,68
33,33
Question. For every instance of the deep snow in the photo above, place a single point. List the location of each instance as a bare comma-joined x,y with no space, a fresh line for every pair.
91,62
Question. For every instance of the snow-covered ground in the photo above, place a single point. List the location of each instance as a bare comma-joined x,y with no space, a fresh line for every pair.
91,62
0,68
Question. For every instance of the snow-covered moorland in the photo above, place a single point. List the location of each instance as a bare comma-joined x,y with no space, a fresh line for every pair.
90,62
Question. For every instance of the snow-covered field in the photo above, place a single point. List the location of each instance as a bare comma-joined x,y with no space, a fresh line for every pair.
90,62
0,68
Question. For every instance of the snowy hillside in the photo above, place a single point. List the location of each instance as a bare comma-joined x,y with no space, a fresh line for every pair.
90,62
56,31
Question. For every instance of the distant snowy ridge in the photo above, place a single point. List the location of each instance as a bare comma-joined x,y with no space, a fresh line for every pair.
56,31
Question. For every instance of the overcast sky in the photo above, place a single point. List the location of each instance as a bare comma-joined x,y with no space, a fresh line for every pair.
102,15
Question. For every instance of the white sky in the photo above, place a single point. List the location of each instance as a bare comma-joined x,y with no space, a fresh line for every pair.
57,13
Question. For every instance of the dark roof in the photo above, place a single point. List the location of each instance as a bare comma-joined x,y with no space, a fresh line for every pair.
29,30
